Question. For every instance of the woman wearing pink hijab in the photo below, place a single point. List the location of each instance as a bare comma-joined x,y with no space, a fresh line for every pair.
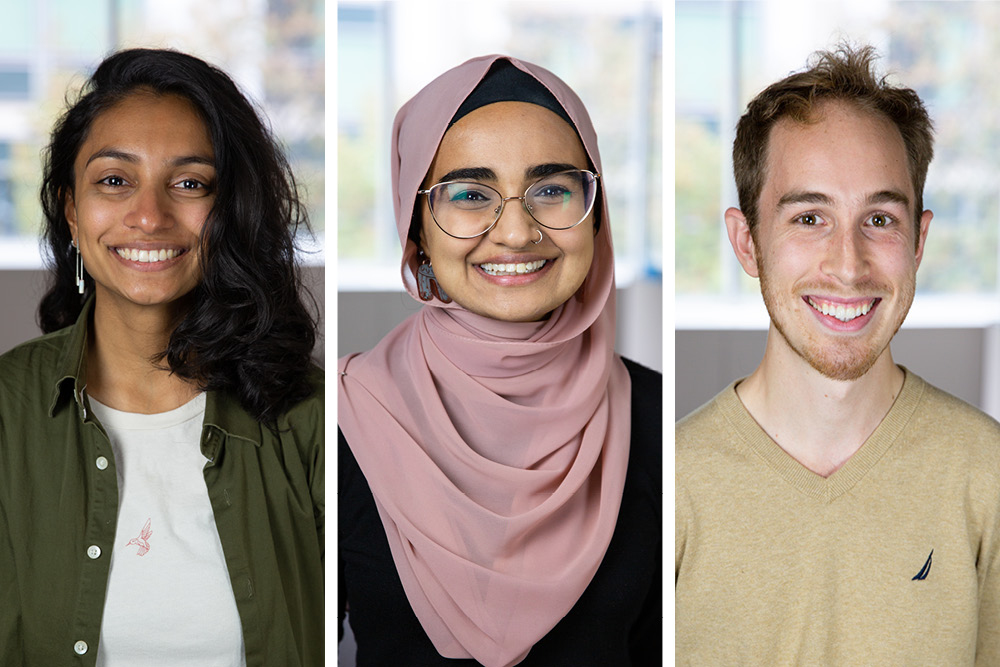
499,464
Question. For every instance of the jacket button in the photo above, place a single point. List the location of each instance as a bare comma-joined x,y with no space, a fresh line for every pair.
94,551
102,463
80,647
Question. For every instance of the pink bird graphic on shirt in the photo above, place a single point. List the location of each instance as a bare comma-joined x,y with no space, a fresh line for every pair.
142,540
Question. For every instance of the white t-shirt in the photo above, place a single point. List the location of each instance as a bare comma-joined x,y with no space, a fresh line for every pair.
169,599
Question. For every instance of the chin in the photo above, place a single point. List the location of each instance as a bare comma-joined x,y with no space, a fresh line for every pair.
844,362
844,369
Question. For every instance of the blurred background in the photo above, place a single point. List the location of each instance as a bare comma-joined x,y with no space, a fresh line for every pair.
727,52
272,48
609,53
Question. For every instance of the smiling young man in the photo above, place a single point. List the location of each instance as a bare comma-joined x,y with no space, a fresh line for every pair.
833,508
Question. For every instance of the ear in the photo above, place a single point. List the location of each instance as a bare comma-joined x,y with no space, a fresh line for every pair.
742,241
925,223
69,210
421,236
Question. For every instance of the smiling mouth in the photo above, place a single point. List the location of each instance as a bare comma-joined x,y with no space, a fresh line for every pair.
518,269
148,256
840,311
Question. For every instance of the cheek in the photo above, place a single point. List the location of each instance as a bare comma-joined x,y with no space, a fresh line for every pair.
91,219
447,255
789,256
578,252
198,218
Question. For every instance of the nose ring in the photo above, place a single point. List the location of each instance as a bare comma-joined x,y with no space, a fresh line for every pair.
540,237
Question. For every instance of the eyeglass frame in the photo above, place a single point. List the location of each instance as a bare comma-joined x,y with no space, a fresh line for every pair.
504,200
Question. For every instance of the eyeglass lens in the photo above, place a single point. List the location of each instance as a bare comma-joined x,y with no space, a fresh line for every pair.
558,201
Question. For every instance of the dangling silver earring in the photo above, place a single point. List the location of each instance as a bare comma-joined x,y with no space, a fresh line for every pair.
79,268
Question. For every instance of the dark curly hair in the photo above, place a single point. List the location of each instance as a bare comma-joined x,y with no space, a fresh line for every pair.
248,330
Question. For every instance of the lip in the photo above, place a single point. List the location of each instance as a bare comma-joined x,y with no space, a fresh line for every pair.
831,322
147,267
518,279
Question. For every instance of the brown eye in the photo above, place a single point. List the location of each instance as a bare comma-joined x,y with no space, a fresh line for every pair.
113,181
807,219
879,220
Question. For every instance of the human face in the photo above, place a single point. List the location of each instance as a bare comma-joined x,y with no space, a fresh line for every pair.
509,146
836,248
143,187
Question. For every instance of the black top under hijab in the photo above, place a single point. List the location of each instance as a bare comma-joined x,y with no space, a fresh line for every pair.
506,83
617,620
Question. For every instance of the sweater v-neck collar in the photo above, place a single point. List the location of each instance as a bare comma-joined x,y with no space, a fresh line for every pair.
856,467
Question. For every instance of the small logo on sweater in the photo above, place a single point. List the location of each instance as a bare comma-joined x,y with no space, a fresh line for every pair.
143,540
925,570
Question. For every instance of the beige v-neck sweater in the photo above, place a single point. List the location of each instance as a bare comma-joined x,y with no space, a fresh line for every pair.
892,560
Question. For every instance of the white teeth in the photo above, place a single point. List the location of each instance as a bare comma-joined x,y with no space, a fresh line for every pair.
147,256
844,314
512,269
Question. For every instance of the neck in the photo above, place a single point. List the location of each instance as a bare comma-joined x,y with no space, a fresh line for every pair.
818,421
124,340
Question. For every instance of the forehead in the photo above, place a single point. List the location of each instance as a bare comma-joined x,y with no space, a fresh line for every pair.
843,151
146,118
508,132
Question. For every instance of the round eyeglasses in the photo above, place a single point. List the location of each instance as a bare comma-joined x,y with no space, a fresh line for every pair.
467,209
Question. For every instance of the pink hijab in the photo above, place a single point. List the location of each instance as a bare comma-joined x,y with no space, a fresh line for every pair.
496,451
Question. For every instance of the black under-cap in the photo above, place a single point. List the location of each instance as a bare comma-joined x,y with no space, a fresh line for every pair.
506,83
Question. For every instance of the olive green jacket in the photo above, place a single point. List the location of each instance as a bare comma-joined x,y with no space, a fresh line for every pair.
59,499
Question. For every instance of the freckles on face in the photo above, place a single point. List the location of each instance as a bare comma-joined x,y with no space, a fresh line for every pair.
836,238
144,185
504,274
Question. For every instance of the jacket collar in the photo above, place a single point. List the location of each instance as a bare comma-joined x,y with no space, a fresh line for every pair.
71,367
222,410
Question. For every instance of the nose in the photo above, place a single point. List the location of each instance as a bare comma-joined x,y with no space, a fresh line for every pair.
150,211
846,256
515,228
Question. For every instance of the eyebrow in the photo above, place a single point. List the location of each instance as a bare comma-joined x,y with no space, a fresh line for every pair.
799,197
543,170
469,174
115,154
888,197
487,174
875,198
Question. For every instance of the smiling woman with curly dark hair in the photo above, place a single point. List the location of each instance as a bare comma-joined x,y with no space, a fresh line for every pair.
161,447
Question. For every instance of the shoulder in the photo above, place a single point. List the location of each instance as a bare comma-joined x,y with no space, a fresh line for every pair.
954,414
305,422
646,447
647,390
28,373
310,410
712,441
955,427
707,423
641,374
37,354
